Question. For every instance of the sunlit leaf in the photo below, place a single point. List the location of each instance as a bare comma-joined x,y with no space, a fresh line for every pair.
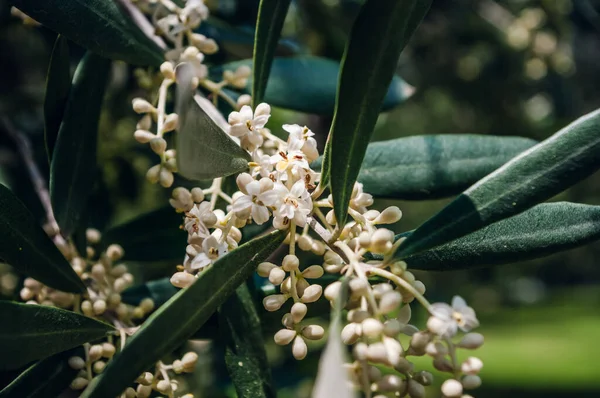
380,32
536,175
29,332
25,246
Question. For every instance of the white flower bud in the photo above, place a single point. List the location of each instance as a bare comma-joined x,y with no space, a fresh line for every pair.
244,99
284,336
165,178
377,353
330,217
452,388
86,308
95,352
390,383
153,174
76,363
471,382
118,270
182,279
403,365
332,291
313,332
113,300
374,374
311,294
351,333
143,136
274,302
415,390
197,195
371,214
167,70
471,341
424,378
171,122
313,272
436,349
299,348
122,311
144,123
288,321
389,302
209,219
381,241
143,391
442,364
79,383
318,247
99,366
298,312
276,276
357,315
359,286
26,294
114,252
305,242
36,285
137,313
372,327
145,379
290,263
147,305
242,180
158,145
189,360
364,239
98,271
420,340
360,351
140,105
419,287
92,235
471,366
108,350
394,350
163,387
262,109
264,269
392,327
99,307
390,215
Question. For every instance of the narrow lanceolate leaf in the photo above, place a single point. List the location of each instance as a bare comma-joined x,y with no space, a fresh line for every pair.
380,32
543,230
25,246
31,332
182,315
332,377
73,165
204,150
308,84
245,354
153,236
46,378
535,175
58,85
433,166
97,25
271,15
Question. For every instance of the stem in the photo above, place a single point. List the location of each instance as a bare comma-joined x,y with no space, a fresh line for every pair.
162,101
292,252
400,282
215,191
452,352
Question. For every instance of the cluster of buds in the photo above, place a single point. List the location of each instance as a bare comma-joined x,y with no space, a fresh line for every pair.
8,280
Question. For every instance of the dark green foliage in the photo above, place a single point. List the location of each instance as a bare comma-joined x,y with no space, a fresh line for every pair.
25,246
30,332
380,32
73,166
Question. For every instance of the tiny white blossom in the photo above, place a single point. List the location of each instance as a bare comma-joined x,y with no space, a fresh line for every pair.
211,250
263,165
247,125
260,195
446,320
193,223
304,136
360,200
295,204
194,12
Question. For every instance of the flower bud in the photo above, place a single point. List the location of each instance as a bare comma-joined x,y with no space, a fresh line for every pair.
197,195
264,269
288,321
209,219
381,241
76,363
143,136
359,286
242,180
153,174
394,350
118,270
332,291
452,388
390,215
99,307
189,360
284,336
389,302
420,340
165,178
171,122
26,294
98,271
140,105
403,365
95,352
361,351
442,364
330,217
182,279
371,214
276,276
108,350
244,99
290,263
143,391
471,341
372,327
274,302
313,272
351,333
99,366
299,348
471,366
145,379
415,389
311,294
79,383
305,242
86,308
114,252
435,349
424,378
390,383
163,387
392,327
313,332
137,313
298,312
167,70
377,353
471,382
158,145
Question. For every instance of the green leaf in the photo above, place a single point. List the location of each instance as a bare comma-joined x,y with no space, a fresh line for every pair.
543,230
29,332
182,315
97,25
308,84
271,15
380,32
46,378
433,166
73,166
537,174
154,236
245,355
204,149
25,246
58,85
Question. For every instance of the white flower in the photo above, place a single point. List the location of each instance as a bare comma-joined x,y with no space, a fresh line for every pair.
262,164
193,223
247,125
260,195
211,250
195,58
194,12
446,320
304,136
295,204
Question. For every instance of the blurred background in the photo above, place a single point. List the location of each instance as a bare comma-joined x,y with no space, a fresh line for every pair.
513,68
